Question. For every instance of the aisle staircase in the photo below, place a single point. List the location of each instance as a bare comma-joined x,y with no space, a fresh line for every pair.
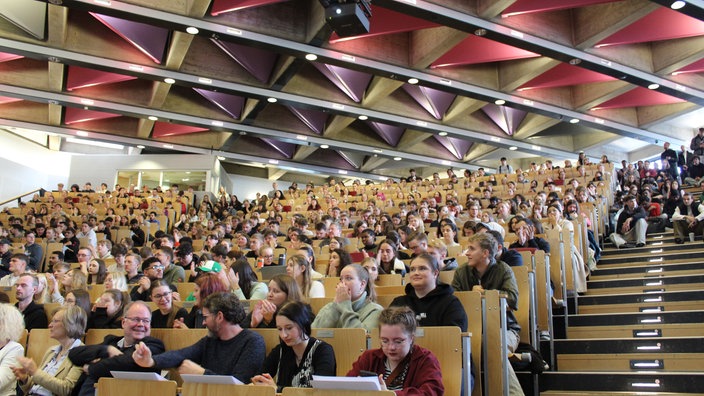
639,329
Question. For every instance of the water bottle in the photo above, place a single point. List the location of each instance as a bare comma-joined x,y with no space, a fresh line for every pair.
282,259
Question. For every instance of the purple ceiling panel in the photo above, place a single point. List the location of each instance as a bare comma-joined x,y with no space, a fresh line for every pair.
230,104
353,159
286,149
258,62
434,101
151,40
353,83
506,118
390,133
458,147
315,120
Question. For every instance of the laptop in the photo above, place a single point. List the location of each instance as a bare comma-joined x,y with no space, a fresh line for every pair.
271,271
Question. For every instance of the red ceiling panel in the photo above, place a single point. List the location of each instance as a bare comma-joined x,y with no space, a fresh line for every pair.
74,115
385,21
639,97
565,75
533,6
661,24
475,50
696,67
79,77
223,6
162,129
5,100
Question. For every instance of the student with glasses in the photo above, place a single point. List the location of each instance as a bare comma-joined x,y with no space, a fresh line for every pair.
152,270
166,313
401,365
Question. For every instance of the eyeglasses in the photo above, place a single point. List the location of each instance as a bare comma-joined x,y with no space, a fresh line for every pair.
156,268
160,296
139,320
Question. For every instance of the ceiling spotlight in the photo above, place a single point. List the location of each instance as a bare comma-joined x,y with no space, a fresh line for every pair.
513,148
397,158
311,57
140,146
676,5
413,81
221,158
272,100
480,32
654,86
443,133
324,146
363,117
169,80
82,133
169,146
575,61
574,120
192,30
499,102
153,118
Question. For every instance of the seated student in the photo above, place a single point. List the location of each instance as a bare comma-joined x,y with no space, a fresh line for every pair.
387,260
299,268
282,289
298,356
431,300
437,249
152,270
509,256
402,365
11,351
368,237
244,282
115,352
231,350
631,225
688,218
354,304
166,313
107,312
339,259
206,284
526,236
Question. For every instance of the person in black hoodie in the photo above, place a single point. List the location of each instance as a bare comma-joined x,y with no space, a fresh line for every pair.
433,302
34,316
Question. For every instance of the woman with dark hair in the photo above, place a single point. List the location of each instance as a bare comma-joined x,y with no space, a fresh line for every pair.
244,282
206,284
433,302
55,375
107,312
97,272
80,298
401,365
282,289
387,260
354,304
166,313
339,258
298,356
449,234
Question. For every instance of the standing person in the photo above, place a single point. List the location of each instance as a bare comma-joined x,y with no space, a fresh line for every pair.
115,352
669,160
298,356
11,329
697,144
230,350
34,251
402,365
504,167
431,300
55,375
354,304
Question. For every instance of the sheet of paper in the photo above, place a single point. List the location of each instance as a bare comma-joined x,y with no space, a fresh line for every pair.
351,383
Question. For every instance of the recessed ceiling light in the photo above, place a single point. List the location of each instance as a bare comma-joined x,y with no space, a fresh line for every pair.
363,117
153,118
676,5
480,32
192,30
169,80
220,157
654,86
139,146
574,120
397,158
311,57
575,61
443,133
413,81
499,102
324,146
513,148
169,146
272,100
82,133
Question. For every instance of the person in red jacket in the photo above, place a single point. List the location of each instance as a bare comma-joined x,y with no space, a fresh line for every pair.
402,366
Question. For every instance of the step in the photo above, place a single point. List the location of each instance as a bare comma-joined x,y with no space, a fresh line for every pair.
644,255
653,286
653,354
638,302
653,279
621,272
613,383
636,325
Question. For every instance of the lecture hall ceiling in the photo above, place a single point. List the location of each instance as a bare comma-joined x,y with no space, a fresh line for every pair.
568,75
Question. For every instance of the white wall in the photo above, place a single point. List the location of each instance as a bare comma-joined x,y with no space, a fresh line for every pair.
246,187
25,166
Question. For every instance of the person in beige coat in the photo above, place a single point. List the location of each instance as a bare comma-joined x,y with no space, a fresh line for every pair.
55,375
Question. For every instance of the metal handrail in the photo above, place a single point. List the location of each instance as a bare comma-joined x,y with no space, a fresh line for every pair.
19,197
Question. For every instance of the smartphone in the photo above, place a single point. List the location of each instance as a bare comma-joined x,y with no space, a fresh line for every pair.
365,373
